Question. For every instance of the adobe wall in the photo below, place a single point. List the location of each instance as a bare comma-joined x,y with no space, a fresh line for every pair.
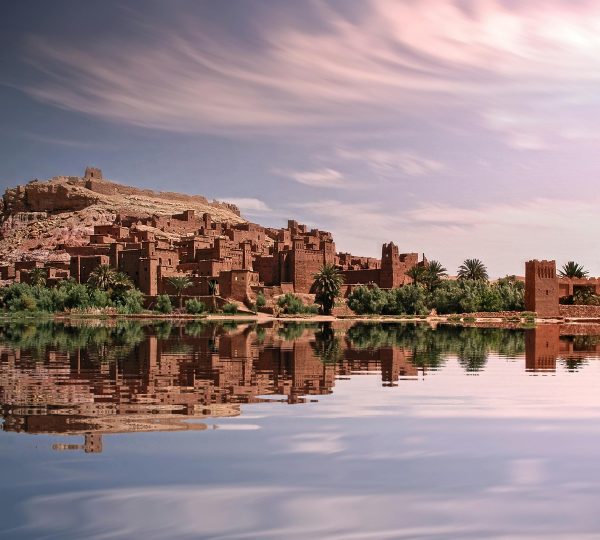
361,277
304,265
579,311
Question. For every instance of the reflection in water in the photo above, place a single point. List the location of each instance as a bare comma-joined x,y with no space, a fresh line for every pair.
439,422
128,377
571,344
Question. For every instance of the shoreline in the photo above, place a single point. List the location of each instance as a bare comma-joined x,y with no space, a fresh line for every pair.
493,319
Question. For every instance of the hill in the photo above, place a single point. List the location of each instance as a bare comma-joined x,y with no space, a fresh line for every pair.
38,217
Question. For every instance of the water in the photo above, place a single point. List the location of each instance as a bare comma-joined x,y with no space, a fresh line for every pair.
299,431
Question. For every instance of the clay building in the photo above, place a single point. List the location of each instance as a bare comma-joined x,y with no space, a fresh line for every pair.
239,259
545,289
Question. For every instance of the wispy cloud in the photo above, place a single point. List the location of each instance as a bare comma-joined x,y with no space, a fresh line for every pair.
389,59
324,177
386,161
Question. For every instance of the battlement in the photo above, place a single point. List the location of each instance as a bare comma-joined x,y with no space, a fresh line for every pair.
542,269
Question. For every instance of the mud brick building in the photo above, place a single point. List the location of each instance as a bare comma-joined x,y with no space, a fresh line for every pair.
544,288
237,260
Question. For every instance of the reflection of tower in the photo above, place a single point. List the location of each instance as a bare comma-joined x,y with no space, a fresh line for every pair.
93,443
541,347
394,365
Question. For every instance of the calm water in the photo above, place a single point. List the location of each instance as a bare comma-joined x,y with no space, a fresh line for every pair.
299,431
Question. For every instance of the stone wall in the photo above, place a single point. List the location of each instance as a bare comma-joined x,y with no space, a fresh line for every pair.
579,311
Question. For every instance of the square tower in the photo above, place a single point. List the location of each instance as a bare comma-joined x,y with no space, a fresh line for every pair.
541,288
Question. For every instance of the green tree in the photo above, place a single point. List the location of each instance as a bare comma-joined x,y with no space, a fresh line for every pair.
102,277
180,283
473,269
434,274
37,277
408,299
327,287
163,303
572,270
367,299
417,273
194,306
261,301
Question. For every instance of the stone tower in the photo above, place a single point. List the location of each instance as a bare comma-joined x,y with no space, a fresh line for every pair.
93,173
541,288
390,266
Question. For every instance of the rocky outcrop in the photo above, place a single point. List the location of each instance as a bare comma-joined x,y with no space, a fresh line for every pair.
39,217
58,195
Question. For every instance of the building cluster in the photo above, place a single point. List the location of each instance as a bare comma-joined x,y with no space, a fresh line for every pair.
231,260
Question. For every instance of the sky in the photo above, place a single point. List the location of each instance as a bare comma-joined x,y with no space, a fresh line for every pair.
458,129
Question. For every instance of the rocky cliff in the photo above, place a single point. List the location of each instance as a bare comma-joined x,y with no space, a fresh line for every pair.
37,217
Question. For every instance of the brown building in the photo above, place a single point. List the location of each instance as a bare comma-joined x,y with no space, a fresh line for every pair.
239,259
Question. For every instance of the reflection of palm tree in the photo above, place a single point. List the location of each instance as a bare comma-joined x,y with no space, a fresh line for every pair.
574,364
327,346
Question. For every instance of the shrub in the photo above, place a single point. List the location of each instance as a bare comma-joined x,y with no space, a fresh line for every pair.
367,299
293,305
163,303
99,298
409,300
230,308
130,301
195,307
26,303
261,301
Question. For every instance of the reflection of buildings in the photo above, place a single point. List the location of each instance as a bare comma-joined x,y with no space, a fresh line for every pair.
393,362
160,382
546,343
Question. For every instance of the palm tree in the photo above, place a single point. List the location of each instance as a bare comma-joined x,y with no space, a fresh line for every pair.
121,281
572,270
473,269
102,277
37,277
417,273
434,274
327,287
180,283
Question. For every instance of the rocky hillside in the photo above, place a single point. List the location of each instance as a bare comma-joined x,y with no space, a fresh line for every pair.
37,217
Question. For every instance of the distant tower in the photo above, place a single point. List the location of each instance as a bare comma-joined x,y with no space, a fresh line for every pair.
93,173
390,265
541,288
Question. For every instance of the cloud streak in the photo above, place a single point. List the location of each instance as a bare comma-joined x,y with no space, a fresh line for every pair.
389,59
324,177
